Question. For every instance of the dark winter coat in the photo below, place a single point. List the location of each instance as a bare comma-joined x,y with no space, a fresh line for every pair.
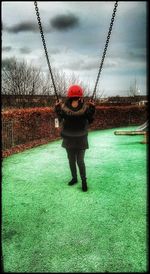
75,122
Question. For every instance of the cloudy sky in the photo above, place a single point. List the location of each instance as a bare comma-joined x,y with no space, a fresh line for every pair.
75,34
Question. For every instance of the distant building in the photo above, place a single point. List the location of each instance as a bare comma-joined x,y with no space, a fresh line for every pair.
25,101
125,100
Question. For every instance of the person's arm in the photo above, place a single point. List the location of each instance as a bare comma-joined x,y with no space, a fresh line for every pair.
90,111
58,110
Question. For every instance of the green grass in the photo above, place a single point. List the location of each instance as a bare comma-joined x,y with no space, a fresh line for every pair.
48,226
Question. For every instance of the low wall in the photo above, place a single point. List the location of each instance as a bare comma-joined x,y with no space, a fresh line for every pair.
26,128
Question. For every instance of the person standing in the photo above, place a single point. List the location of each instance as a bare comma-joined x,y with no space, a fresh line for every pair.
75,115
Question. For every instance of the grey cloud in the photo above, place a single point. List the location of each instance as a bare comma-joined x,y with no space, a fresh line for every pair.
90,64
127,54
110,63
80,65
22,27
4,27
25,50
8,48
54,51
7,61
137,54
64,22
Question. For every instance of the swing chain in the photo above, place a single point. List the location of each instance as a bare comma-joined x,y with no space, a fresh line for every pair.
105,48
44,45
104,52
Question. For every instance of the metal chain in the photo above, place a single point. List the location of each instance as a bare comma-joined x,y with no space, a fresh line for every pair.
104,52
105,48
44,45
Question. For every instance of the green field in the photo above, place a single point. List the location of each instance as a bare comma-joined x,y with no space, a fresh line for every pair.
48,226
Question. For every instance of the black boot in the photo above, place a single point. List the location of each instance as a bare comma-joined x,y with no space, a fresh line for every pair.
72,182
84,185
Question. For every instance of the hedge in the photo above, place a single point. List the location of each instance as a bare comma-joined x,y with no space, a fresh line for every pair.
35,126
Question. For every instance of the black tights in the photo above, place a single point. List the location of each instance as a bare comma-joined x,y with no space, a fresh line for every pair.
77,156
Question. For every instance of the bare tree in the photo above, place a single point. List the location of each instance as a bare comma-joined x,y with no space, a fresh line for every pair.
75,80
62,82
19,78
134,91
46,86
9,83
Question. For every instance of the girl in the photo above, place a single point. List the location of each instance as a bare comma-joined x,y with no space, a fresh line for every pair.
75,115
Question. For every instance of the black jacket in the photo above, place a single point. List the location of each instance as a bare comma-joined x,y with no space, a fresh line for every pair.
75,124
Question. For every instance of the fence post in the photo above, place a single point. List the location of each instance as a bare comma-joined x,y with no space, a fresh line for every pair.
12,132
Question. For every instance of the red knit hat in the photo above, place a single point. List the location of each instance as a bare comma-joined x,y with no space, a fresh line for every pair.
75,91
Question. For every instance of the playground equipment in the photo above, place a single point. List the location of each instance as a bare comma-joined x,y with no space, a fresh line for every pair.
103,56
129,132
143,127
141,130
